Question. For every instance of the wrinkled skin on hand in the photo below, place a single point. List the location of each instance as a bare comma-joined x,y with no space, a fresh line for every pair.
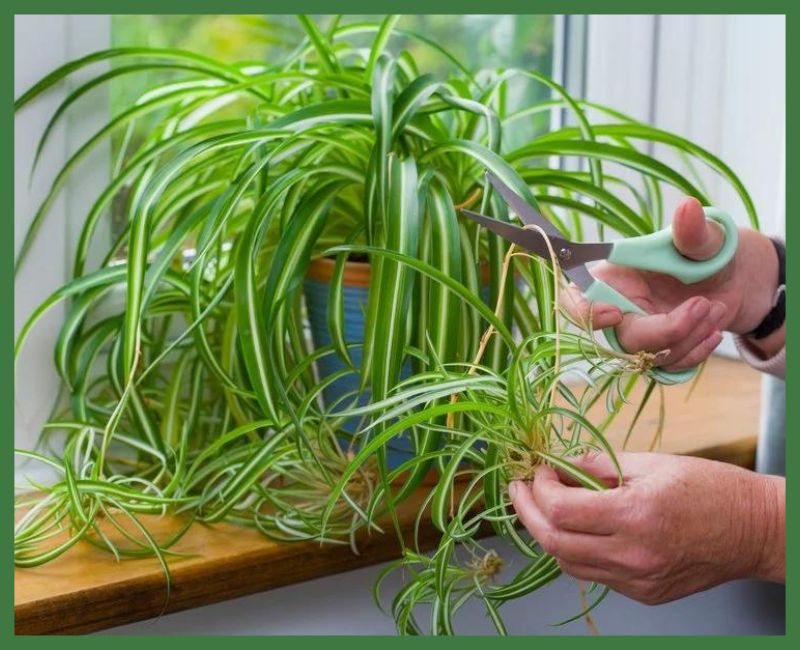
677,525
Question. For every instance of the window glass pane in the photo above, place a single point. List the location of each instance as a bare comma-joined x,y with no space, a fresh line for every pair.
475,42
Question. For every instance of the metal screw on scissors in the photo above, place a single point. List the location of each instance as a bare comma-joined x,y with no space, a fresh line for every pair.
653,252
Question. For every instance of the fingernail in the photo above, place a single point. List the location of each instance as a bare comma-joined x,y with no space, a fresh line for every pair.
512,489
700,309
718,310
608,312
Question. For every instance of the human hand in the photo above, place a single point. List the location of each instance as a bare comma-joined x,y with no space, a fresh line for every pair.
677,524
685,319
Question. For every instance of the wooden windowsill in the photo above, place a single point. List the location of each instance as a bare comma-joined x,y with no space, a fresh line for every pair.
87,590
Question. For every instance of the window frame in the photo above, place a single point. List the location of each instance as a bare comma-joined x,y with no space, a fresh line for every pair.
68,37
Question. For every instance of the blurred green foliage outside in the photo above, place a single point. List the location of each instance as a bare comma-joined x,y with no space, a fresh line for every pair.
476,41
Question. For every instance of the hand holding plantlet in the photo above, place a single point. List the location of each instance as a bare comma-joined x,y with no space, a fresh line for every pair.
677,525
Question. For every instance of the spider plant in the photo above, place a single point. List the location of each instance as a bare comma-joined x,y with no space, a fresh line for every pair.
201,393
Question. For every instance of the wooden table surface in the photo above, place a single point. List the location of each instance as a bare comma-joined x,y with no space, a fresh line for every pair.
86,589
718,420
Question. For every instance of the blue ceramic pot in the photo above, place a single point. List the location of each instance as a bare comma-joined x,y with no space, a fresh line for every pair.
343,392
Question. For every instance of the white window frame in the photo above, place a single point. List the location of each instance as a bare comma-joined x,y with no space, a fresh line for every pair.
694,75
666,70
41,43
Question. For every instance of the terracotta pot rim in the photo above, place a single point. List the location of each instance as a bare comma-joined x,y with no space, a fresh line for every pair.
356,273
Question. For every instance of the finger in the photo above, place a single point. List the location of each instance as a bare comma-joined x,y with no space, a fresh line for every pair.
588,315
598,465
699,333
694,235
527,511
571,546
656,332
587,572
699,353
574,509
633,464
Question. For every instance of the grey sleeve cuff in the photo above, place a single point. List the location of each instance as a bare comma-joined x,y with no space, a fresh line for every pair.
775,365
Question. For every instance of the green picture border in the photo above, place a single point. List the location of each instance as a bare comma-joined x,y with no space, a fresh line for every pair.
791,9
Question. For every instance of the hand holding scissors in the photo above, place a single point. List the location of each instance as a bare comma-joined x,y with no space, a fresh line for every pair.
655,252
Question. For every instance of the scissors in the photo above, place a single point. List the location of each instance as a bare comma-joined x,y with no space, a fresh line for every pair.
653,252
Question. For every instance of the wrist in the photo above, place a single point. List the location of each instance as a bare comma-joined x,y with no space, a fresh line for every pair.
766,557
757,268
769,346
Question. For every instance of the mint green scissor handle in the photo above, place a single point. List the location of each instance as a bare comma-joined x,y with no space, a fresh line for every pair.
656,252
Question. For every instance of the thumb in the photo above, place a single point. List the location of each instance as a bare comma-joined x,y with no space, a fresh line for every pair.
695,236
601,466
598,464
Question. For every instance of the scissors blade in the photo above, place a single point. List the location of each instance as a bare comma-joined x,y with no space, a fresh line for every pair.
572,256
525,210
580,276
530,240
